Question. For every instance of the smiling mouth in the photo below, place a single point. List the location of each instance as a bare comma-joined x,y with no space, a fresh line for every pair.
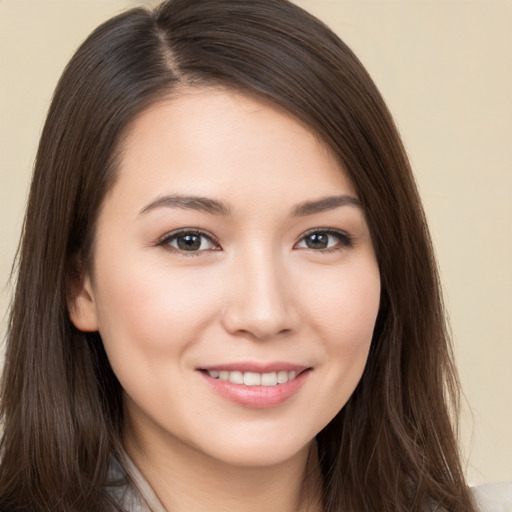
254,385
254,378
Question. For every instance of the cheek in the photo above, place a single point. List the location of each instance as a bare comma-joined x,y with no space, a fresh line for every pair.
149,316
153,306
343,313
344,304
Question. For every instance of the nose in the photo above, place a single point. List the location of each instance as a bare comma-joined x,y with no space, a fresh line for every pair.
261,302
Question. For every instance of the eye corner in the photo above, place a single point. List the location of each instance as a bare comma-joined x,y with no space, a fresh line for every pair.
321,240
191,242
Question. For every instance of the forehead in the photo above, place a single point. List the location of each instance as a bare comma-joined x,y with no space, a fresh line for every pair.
219,142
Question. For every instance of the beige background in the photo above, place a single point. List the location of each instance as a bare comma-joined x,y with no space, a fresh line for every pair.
445,69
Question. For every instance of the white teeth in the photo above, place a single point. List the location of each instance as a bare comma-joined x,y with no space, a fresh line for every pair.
282,377
269,379
254,378
236,377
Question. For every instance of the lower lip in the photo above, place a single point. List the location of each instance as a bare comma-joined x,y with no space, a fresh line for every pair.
257,397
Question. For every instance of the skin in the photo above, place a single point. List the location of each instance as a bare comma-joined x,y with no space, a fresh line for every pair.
256,290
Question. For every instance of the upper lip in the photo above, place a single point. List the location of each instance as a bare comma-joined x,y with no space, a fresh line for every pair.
246,366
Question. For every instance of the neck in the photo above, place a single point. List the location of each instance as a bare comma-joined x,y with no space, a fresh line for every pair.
189,481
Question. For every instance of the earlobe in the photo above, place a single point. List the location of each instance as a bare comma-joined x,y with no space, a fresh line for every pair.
82,306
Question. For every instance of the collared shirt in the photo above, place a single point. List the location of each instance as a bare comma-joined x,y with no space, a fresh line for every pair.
132,492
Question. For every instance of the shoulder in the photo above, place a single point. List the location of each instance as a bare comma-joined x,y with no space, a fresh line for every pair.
494,497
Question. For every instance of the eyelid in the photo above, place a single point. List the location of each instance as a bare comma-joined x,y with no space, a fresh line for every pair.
346,240
164,240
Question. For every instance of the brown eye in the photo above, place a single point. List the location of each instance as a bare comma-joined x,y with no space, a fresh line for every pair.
324,240
317,241
190,241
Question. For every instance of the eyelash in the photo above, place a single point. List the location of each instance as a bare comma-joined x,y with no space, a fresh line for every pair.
169,237
344,240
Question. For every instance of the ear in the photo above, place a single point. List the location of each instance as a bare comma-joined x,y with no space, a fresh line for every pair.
82,306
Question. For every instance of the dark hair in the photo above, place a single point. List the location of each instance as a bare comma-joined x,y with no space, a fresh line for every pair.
392,447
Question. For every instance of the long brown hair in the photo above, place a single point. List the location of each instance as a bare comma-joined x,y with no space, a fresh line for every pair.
392,447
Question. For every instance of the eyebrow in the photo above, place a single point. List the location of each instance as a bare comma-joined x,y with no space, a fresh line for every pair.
202,204
215,207
325,204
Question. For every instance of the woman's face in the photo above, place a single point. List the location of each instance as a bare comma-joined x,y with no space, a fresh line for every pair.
234,282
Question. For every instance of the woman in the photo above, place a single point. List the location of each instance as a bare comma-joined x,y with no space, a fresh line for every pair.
226,294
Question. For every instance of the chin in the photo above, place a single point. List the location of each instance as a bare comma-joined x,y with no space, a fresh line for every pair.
260,454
